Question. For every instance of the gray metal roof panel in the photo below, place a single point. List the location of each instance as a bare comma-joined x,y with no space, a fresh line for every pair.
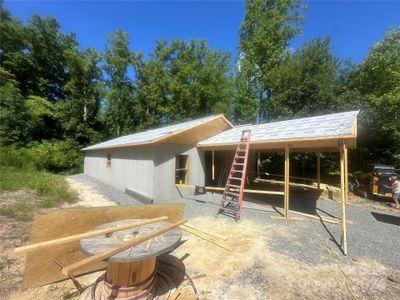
149,135
311,127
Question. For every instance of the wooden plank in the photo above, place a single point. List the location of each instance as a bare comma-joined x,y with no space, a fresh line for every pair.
312,144
290,177
286,186
80,236
287,219
343,198
208,233
208,238
346,176
110,252
52,224
217,188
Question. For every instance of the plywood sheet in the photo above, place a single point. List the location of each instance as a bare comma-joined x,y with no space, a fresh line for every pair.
40,268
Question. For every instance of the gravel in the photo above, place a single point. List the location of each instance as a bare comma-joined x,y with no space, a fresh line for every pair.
374,233
105,190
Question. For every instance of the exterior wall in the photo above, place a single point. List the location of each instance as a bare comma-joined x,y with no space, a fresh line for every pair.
164,170
130,168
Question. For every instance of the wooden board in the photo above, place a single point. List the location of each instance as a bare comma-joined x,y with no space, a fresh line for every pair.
322,144
198,132
40,268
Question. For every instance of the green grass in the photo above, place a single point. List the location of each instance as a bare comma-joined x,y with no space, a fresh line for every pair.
52,190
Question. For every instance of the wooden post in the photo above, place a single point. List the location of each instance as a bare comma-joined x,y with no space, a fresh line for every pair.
213,165
343,197
318,169
258,164
346,176
286,188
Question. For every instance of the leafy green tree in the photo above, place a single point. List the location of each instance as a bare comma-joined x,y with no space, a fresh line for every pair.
244,102
182,80
377,79
12,115
83,83
267,28
79,112
43,122
200,83
46,47
120,94
13,45
306,82
152,82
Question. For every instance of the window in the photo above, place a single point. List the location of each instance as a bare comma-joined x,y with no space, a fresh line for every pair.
181,169
108,160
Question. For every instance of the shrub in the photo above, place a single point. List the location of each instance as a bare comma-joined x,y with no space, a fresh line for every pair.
56,156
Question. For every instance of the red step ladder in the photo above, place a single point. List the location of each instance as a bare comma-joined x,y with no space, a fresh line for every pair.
232,197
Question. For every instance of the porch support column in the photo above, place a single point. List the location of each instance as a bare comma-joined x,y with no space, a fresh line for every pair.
258,164
213,165
318,154
343,196
346,176
286,185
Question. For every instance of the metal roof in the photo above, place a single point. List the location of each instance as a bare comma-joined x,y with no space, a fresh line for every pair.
332,125
152,135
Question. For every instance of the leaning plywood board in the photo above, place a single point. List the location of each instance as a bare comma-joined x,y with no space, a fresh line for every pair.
40,267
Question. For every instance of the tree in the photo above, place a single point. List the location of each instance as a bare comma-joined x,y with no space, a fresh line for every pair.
244,100
306,82
43,122
182,80
265,33
120,94
200,82
83,83
152,82
13,46
12,115
377,79
45,51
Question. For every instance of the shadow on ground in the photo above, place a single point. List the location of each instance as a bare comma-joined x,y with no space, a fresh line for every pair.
384,218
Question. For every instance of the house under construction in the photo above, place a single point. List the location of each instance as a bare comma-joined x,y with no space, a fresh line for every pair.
151,165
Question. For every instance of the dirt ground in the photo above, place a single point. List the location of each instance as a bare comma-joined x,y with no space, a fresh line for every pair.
252,270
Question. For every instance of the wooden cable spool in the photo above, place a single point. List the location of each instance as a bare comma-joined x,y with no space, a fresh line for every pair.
131,274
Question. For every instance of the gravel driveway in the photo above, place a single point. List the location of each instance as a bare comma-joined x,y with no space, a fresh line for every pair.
374,231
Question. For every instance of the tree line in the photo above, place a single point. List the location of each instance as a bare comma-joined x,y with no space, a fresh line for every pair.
56,97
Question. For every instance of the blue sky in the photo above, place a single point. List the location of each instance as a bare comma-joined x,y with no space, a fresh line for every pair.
352,25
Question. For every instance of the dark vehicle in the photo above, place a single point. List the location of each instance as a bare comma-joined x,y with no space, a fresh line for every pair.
373,183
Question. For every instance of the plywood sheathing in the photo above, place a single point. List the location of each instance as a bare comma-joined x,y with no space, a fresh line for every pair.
40,268
197,133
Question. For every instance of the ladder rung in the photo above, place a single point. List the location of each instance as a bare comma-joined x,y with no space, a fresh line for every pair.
229,210
237,171
235,186
240,156
231,194
238,164
235,178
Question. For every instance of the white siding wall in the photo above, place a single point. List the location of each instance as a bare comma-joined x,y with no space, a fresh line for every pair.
130,168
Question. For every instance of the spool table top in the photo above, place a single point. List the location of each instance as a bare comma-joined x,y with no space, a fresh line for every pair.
150,248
